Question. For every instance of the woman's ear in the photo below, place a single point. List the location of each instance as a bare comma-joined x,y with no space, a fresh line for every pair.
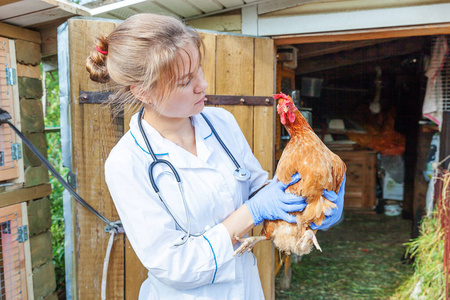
140,94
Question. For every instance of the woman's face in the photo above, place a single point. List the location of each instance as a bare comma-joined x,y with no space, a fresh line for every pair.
188,99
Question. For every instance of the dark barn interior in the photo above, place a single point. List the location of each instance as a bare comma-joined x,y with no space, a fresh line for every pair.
364,99
354,76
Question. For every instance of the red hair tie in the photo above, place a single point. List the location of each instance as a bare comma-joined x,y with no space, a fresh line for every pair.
101,51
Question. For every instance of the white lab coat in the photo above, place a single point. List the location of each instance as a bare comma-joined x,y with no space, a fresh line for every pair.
204,267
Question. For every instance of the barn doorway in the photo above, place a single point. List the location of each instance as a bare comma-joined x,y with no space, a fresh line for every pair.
363,96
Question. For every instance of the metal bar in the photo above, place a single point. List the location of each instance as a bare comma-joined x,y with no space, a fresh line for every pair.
102,97
52,129
239,100
94,97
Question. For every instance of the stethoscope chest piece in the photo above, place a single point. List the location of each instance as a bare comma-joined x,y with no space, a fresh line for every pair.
242,174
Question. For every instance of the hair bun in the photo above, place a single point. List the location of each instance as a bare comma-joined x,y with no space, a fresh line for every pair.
96,61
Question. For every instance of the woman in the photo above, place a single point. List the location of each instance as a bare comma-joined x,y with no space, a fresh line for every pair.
156,60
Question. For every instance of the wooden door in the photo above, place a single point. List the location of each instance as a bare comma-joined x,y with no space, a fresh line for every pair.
242,65
234,65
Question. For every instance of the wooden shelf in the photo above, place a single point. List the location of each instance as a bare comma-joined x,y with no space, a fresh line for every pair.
338,131
25,194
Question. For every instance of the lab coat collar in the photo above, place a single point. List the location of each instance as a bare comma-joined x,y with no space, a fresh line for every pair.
165,149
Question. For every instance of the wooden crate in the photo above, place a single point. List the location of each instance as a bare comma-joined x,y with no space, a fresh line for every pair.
361,178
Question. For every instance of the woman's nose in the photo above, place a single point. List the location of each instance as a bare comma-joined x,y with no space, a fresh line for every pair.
202,84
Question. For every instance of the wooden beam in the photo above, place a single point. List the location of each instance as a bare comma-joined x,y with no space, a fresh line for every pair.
333,6
355,20
359,71
25,194
49,37
280,4
14,32
364,34
6,2
380,51
69,7
228,9
312,50
28,71
36,18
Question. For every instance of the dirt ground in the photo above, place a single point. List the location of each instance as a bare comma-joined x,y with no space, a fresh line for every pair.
361,259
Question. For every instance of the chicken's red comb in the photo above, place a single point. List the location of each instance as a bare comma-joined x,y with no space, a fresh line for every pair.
280,95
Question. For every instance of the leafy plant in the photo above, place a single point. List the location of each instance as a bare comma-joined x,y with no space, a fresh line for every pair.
54,155
428,280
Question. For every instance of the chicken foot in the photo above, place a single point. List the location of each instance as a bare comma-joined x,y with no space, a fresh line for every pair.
248,243
308,235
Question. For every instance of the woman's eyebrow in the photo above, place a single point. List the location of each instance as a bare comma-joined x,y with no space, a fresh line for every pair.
185,76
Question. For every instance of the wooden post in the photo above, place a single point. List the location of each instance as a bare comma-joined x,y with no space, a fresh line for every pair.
93,136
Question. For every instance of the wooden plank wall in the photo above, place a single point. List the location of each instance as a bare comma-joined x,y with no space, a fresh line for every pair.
244,67
264,150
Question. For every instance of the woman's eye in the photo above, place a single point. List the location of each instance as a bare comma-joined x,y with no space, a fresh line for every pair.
187,82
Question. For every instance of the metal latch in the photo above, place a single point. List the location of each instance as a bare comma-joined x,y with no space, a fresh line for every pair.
16,151
10,76
22,233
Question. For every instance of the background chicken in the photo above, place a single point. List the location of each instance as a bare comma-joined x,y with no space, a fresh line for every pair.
319,169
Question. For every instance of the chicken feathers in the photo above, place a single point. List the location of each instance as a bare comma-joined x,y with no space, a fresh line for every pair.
319,169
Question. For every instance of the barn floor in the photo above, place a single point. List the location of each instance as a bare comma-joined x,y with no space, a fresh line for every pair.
361,259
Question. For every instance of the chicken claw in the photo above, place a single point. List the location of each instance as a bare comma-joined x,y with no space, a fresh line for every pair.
308,235
247,243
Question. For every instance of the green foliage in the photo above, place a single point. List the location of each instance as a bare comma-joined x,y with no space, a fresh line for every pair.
428,280
54,156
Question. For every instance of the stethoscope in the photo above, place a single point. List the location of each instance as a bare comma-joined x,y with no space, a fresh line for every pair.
240,174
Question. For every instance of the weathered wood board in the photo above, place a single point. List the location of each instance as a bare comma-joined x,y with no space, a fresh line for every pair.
93,136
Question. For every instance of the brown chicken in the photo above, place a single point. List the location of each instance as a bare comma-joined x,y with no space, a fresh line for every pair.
319,169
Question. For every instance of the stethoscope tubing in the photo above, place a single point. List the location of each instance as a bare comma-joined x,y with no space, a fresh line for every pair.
157,161
221,142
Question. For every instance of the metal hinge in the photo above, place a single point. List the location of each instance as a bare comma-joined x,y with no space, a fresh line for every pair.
72,180
16,151
22,233
10,76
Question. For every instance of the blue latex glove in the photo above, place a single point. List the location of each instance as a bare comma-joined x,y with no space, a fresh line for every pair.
272,203
335,214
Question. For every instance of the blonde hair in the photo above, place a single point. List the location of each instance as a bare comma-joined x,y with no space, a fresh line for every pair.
144,51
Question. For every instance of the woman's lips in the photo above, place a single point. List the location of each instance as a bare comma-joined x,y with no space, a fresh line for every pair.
201,100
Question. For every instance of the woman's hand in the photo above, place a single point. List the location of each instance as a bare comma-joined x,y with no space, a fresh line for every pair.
272,203
335,214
